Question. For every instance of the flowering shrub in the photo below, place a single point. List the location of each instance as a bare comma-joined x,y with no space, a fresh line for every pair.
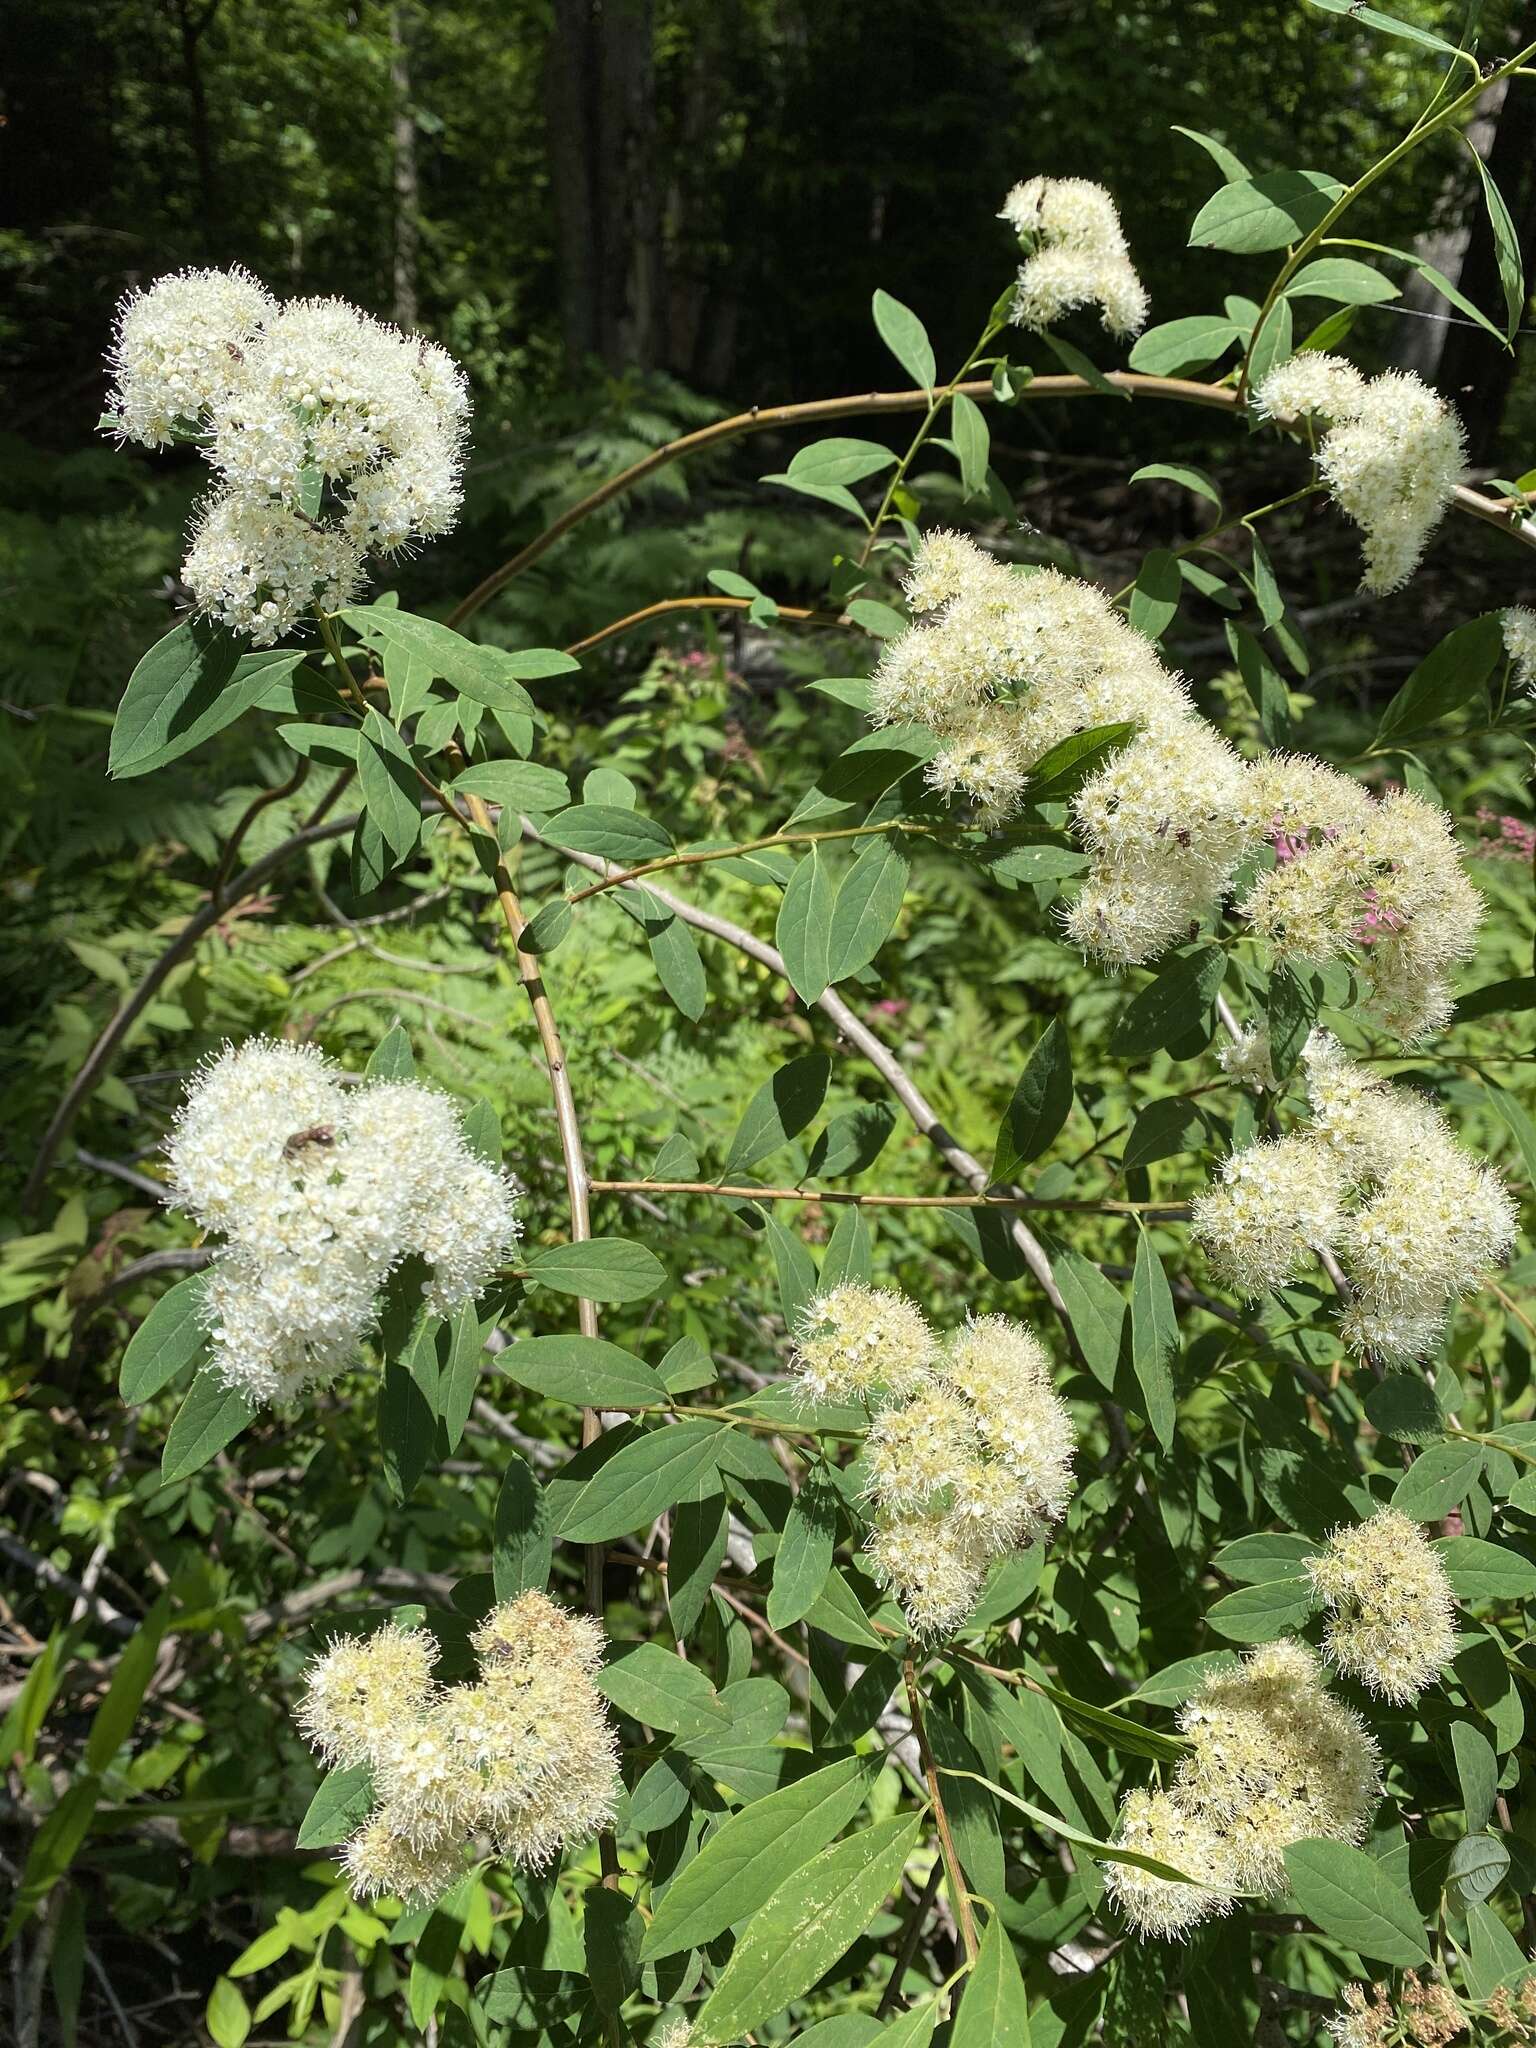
1128,1643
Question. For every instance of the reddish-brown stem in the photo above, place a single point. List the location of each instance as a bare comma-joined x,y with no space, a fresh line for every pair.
954,1875
790,614
745,1192
1179,390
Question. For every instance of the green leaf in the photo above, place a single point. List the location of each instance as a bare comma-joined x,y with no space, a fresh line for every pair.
839,461
1518,1121
994,2008
113,1720
1438,1480
847,1256
1163,1129
1272,341
522,1541
1062,770
1478,1865
515,785
1439,282
1154,1338
586,1371
610,830
906,338
1404,1406
652,1685
700,1530
189,686
869,900
1031,865
1078,365
1271,1554
1352,1898
171,1337
1172,1007
1185,473
390,790
1448,677
1253,215
793,1264
804,1555
973,443
804,930
1102,1852
392,1058
1096,1310
1506,244
1486,1571
228,2017
1387,25
1232,168
611,1929
1178,346
599,1269
813,1918
1344,279
1290,1012
342,1803
211,1416
1040,1104
1260,1613
1155,594
547,928
1495,1956
745,1861
54,1848
1495,998
852,1141
638,1481
1477,1772
675,957
408,1407
788,1101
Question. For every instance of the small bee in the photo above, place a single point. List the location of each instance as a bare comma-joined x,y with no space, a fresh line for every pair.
316,1134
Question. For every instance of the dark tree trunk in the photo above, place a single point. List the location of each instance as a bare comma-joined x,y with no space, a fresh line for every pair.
600,105
1475,372
407,196
193,25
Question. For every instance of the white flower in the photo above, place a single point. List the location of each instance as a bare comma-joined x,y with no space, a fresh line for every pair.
1077,255
1276,1203
179,347
1392,455
320,1192
259,568
1391,1611
1519,624
332,436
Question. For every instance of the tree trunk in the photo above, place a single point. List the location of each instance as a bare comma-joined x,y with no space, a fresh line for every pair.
407,198
1475,372
600,106
193,27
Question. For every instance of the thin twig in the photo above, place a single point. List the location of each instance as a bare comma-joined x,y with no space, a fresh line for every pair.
786,614
1173,1211
958,1895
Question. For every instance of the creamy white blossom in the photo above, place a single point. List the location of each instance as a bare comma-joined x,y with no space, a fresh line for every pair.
1076,255
974,1463
1376,1177
524,1753
1391,455
319,1192
1519,624
332,436
1391,1611
857,1343
178,348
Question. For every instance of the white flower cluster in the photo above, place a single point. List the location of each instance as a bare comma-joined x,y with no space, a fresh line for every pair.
524,1755
320,1191
1075,255
1392,453
1005,665
969,1453
1275,1759
1391,1610
1519,623
333,437
1375,1177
